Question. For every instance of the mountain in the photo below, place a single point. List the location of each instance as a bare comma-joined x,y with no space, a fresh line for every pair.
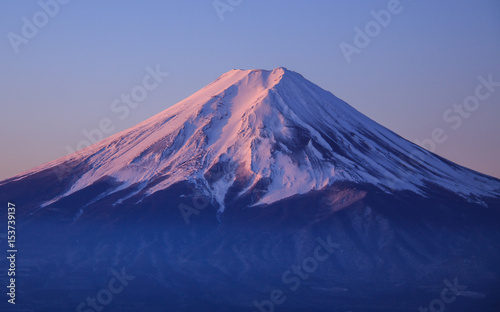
221,199
271,128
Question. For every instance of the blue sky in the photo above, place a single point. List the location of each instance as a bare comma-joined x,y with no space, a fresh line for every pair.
427,58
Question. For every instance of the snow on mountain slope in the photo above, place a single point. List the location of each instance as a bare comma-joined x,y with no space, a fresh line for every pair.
250,126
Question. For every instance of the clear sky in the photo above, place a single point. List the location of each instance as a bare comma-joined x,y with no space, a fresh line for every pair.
61,77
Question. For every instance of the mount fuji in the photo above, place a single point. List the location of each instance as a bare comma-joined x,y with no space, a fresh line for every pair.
216,203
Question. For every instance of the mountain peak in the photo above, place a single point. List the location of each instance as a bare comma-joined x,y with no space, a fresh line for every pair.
238,74
277,69
265,77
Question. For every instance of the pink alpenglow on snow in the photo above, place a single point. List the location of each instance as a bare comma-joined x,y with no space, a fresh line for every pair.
266,125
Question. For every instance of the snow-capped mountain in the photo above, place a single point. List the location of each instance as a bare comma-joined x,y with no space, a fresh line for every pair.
263,127
259,183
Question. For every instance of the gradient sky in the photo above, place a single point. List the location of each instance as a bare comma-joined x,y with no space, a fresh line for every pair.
427,58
